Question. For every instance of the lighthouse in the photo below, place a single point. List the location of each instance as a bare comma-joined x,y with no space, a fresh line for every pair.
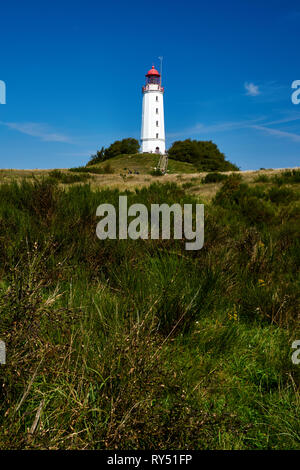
153,125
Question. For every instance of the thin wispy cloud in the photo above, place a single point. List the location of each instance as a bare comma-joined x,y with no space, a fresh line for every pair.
285,120
41,131
200,128
261,124
278,133
251,89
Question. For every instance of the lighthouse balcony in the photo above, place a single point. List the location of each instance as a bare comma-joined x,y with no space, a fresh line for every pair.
152,87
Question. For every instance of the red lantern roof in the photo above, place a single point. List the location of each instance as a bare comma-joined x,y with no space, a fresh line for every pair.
153,72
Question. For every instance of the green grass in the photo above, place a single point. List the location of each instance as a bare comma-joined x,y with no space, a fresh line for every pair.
141,344
144,164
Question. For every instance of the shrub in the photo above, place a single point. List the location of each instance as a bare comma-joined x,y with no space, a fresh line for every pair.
108,169
99,157
249,202
127,146
228,190
66,178
262,179
255,210
84,169
156,172
214,178
205,155
282,195
188,185
287,177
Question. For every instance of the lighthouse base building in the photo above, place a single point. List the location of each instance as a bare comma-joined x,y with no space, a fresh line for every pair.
153,125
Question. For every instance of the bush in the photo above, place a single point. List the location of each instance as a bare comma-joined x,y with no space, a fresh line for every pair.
251,203
66,178
84,169
156,172
282,195
122,147
213,178
188,185
108,169
205,155
99,157
262,179
127,146
287,177
292,176
255,210
98,171
228,190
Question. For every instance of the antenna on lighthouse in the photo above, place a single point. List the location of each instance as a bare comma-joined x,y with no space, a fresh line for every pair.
161,61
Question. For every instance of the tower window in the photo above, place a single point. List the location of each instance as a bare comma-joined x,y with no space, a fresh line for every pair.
156,123
156,110
157,136
157,98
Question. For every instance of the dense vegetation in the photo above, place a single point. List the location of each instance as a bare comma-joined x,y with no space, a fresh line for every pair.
214,178
205,155
286,177
141,344
119,147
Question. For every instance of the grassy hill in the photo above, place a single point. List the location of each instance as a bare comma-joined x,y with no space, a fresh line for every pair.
144,164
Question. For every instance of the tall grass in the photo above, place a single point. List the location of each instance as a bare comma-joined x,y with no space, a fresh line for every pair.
67,178
214,178
106,169
141,344
285,177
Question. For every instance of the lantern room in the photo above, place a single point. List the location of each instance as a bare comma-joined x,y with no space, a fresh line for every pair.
153,80
153,77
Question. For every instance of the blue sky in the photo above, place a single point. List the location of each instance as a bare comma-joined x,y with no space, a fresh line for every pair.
74,72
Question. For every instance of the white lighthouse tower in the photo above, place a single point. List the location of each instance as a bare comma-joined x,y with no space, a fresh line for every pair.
153,125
